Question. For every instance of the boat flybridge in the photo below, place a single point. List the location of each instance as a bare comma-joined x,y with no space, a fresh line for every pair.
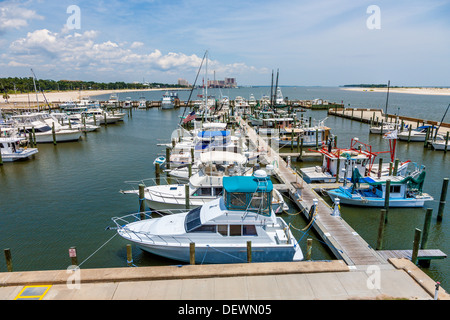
220,229
11,146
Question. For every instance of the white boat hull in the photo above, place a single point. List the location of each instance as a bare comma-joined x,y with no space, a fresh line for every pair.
61,136
18,156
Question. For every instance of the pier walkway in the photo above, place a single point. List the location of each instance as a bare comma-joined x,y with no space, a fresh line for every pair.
343,241
306,280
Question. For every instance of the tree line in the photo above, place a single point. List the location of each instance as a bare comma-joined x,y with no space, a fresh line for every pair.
25,85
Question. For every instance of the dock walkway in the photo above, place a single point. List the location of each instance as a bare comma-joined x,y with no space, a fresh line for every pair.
343,241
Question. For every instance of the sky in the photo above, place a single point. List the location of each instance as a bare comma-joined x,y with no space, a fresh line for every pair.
310,42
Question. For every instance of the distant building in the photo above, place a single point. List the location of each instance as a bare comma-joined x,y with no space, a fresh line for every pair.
227,83
183,82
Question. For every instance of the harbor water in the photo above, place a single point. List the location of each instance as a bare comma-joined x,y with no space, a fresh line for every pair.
67,194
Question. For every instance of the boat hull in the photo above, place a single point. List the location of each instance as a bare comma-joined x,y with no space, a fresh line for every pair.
376,202
72,135
19,156
218,254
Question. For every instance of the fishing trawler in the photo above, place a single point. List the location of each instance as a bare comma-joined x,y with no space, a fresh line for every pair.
220,229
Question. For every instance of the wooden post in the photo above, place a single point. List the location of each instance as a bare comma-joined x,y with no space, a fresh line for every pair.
54,133
301,149
391,165
442,200
415,251
308,249
1,160
446,142
381,230
380,167
396,166
73,256
426,228
409,132
33,131
317,139
8,260
168,158
386,199
192,253
129,256
157,171
337,169
249,251
142,201
186,191
190,170
427,136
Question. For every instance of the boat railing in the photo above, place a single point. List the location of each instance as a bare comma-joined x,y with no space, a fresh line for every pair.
150,182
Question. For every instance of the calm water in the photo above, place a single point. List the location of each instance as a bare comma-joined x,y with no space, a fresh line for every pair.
67,195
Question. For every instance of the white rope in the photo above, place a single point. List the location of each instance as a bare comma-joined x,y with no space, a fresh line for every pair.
98,249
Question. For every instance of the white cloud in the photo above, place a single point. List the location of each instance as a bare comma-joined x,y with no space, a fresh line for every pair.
13,16
81,52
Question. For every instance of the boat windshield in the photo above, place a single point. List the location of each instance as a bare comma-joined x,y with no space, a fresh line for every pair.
192,220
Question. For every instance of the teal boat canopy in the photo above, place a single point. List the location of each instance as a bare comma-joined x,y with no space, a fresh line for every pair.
247,184
248,194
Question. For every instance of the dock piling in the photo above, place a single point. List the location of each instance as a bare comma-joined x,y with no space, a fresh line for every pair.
73,256
129,256
192,253
8,260
442,200
142,201
426,228
249,251
381,229
415,251
186,191
308,249
386,198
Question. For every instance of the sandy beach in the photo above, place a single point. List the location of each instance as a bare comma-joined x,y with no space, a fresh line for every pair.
423,91
64,96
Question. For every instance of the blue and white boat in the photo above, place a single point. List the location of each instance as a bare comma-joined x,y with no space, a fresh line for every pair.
160,160
220,229
403,192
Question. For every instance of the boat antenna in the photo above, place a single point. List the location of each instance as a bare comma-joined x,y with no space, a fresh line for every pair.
35,90
435,135
387,99
195,82
271,92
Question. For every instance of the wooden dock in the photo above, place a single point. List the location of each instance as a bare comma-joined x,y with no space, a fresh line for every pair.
343,241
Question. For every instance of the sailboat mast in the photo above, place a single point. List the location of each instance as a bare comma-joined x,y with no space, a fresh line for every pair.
276,86
271,92
387,99
35,90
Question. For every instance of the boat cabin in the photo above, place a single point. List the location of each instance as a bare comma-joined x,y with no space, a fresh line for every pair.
252,194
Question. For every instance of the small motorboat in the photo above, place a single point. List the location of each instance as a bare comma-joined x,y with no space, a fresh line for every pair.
160,160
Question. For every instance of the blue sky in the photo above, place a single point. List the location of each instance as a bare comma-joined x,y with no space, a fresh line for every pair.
321,42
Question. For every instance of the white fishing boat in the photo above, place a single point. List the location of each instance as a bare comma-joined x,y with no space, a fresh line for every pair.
204,185
417,135
167,102
317,134
220,229
404,192
128,103
43,131
142,103
359,155
441,144
113,101
103,116
383,128
12,148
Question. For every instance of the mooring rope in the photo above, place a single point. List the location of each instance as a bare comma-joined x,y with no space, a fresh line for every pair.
97,250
